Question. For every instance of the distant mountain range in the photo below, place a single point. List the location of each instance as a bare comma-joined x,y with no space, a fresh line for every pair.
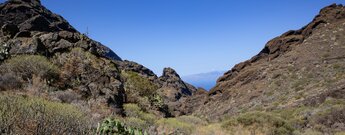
204,80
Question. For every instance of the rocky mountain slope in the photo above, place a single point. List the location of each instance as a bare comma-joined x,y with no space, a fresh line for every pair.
57,80
300,69
86,73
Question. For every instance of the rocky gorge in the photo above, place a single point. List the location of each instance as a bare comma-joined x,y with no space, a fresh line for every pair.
56,80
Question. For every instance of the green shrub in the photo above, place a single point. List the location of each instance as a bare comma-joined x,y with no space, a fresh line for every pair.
157,101
114,127
132,110
262,121
74,64
311,132
80,67
9,81
191,120
27,66
137,118
329,117
148,118
136,123
174,126
142,91
31,115
138,86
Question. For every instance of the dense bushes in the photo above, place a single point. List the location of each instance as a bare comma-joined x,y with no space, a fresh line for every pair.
174,126
87,73
333,118
73,65
138,86
259,123
27,66
27,70
32,115
137,118
8,81
183,125
142,91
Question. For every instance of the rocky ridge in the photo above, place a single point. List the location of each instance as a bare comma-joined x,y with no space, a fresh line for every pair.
42,32
292,69
90,74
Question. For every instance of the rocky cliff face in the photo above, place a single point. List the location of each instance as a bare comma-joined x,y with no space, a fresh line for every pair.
175,92
171,80
298,67
29,28
89,74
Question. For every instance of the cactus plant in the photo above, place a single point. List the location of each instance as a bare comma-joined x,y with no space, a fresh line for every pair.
113,127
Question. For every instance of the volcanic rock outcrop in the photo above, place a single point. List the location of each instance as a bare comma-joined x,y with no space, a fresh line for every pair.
90,74
29,28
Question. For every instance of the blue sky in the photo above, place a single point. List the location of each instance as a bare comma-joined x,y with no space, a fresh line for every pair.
191,36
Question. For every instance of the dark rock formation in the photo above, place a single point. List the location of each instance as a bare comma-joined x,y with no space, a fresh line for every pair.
90,73
171,80
28,27
175,91
88,69
135,67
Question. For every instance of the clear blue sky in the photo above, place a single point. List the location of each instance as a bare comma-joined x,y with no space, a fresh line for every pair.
191,36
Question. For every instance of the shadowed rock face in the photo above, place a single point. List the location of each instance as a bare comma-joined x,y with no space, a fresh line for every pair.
290,68
29,28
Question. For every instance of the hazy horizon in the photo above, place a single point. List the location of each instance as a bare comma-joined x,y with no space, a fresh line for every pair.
203,80
196,36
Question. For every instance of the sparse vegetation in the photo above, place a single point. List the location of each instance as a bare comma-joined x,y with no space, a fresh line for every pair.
32,115
174,126
259,123
56,80
138,118
27,66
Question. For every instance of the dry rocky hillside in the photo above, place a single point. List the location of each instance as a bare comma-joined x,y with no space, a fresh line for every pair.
42,55
301,72
59,81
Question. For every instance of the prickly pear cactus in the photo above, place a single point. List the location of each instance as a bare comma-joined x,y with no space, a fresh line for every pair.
114,127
